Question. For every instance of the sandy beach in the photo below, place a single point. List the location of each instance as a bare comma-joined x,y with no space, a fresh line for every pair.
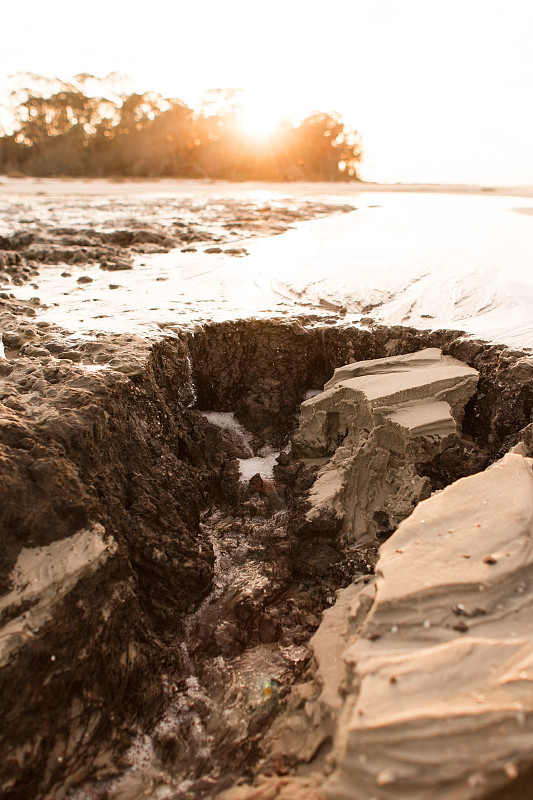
74,186
251,443
444,257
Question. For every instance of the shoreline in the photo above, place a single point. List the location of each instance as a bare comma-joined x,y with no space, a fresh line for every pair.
125,504
208,254
96,186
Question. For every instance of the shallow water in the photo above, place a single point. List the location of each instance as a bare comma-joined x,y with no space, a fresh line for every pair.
428,260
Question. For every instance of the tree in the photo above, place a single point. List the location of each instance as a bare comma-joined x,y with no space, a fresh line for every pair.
92,126
322,142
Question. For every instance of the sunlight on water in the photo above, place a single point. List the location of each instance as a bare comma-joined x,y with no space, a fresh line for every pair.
428,260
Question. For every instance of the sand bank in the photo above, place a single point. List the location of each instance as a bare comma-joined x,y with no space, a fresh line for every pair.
431,260
127,186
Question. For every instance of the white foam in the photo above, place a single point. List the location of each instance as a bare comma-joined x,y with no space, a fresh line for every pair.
227,421
264,465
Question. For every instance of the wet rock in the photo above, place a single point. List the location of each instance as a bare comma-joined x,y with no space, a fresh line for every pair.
90,455
116,265
11,339
259,369
236,251
269,629
8,258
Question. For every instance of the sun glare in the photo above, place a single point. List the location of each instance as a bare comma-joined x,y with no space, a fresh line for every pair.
259,119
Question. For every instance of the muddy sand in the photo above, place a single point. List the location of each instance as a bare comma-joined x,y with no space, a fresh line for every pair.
277,556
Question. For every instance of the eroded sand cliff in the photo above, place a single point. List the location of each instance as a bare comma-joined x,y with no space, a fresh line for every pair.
110,470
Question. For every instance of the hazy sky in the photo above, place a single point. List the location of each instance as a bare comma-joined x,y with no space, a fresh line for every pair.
441,90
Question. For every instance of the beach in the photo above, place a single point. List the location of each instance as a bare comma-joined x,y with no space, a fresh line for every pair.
266,455
455,259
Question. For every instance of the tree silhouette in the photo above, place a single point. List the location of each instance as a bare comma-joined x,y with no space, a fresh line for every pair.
92,126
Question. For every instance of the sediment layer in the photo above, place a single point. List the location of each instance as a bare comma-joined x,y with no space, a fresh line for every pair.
437,683
377,421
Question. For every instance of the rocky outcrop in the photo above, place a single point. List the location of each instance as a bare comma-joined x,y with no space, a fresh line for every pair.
106,466
260,370
421,677
133,229
104,470
41,577
368,433
432,694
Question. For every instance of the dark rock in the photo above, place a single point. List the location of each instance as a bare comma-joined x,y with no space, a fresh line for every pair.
116,265
131,456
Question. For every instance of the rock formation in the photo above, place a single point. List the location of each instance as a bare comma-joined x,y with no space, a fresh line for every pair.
107,466
369,431
435,697
104,473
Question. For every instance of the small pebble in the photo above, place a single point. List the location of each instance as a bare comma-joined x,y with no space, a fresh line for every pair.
511,770
385,777
461,627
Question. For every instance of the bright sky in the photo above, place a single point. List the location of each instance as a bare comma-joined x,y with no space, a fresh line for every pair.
441,90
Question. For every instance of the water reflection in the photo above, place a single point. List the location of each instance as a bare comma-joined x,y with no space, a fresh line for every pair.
428,260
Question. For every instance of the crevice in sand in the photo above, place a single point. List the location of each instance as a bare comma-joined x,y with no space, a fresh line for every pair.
206,609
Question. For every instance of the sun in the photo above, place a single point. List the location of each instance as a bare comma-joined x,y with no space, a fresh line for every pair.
258,117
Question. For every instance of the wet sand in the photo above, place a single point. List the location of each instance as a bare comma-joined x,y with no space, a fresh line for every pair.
105,186
187,252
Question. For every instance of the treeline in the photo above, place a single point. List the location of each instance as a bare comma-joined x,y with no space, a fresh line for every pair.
62,128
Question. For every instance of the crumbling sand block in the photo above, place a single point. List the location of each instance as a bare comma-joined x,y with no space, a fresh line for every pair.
437,695
376,421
